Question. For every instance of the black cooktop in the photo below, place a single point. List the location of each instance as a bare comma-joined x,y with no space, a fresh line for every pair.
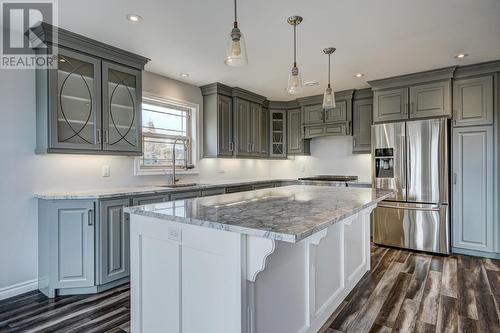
331,178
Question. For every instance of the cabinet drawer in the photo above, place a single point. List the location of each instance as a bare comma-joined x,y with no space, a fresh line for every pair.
150,199
213,191
262,186
185,195
242,188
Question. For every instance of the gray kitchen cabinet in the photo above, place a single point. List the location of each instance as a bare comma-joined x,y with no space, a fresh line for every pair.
217,121
296,144
90,104
113,256
313,114
361,126
430,100
473,196
338,114
278,134
255,129
473,101
121,112
242,127
390,104
150,199
73,96
264,132
263,186
185,195
66,233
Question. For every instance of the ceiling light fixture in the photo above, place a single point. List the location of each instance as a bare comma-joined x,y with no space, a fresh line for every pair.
294,79
236,52
460,56
358,75
134,18
184,74
329,97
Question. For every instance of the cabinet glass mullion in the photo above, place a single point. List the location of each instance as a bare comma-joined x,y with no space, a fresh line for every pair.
75,102
121,93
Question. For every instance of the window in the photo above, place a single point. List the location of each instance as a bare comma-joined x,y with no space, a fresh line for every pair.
164,122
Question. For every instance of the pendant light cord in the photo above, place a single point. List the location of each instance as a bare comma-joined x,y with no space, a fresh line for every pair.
329,73
295,45
235,17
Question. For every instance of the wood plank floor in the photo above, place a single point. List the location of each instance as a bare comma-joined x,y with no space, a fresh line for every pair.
404,292
415,292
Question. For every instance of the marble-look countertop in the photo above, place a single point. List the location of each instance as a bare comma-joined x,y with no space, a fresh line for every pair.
289,213
144,190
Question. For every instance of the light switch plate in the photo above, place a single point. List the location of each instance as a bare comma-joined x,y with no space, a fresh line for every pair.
175,234
106,171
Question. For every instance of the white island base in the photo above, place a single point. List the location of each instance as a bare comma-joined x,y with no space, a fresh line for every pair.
192,279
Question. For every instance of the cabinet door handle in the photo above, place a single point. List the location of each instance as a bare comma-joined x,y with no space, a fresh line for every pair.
105,135
98,135
231,146
249,147
455,177
412,108
406,108
90,216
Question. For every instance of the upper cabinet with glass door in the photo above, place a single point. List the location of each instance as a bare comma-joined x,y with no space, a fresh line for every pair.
71,115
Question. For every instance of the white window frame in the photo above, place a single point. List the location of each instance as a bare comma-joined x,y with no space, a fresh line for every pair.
194,142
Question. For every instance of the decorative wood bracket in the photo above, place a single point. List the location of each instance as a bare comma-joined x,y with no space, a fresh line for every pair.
258,249
317,237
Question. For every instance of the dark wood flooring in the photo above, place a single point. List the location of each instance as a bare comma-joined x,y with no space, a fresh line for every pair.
414,292
404,292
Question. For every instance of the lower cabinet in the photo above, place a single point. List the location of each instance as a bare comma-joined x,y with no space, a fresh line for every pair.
113,246
66,245
473,188
185,195
150,199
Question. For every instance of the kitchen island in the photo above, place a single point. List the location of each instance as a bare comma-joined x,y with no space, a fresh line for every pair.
271,260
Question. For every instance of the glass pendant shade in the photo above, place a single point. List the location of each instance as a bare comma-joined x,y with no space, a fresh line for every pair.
329,99
236,51
294,82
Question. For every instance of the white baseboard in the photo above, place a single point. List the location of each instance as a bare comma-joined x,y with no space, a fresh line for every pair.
18,289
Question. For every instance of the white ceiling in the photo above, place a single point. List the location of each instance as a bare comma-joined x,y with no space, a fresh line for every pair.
380,38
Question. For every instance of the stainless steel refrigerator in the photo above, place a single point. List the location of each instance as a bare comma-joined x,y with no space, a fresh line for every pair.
412,158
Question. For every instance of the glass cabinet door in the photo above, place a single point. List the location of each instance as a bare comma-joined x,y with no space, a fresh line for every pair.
121,115
75,102
278,132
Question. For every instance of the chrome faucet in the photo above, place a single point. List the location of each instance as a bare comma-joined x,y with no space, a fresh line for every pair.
174,179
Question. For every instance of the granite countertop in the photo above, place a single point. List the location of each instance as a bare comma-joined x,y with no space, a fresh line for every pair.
289,213
142,190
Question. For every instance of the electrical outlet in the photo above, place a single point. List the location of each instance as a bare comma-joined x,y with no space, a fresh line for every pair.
175,234
106,171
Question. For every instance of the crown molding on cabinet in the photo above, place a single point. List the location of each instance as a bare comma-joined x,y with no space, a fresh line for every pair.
366,93
50,34
478,69
216,88
318,99
412,79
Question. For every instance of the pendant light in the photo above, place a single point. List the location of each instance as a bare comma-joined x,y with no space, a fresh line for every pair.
294,79
329,98
236,52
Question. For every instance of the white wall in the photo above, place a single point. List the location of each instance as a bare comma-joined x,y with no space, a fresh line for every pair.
23,173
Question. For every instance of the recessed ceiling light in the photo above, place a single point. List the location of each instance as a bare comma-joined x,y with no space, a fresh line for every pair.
184,74
460,56
311,83
134,18
358,75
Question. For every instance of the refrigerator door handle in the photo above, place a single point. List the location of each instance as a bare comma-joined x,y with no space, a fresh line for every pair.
428,209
